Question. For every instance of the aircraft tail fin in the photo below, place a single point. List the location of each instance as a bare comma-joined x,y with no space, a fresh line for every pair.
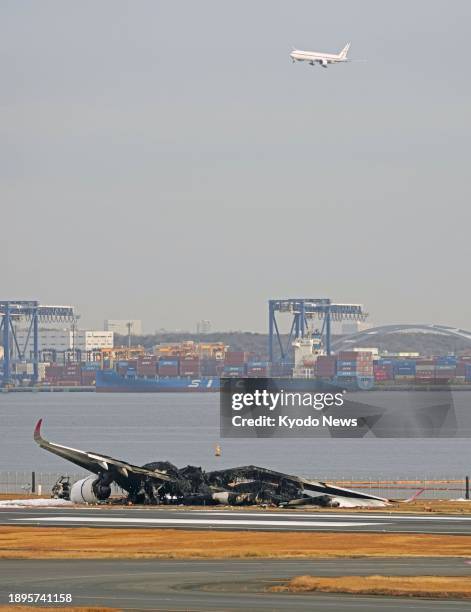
343,53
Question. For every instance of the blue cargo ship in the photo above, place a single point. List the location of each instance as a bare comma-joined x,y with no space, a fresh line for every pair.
109,381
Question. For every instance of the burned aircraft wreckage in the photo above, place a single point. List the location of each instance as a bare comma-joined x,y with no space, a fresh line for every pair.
162,482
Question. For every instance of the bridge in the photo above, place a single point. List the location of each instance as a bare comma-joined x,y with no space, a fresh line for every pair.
347,342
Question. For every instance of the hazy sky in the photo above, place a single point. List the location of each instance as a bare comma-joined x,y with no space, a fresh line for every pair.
167,161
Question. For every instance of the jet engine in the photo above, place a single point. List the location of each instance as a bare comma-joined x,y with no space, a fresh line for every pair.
90,490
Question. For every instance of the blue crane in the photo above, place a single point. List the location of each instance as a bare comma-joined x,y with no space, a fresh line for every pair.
33,312
302,310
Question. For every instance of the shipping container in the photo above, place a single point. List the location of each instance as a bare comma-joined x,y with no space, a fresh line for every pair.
383,368
149,371
325,369
447,360
348,355
88,377
444,374
190,367
168,361
209,367
235,358
168,370
380,375
91,366
460,369
259,373
234,371
280,370
326,359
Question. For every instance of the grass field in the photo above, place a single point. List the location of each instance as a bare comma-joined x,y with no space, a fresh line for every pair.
13,608
443,587
89,543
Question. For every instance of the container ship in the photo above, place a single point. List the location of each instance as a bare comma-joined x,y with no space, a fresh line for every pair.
109,381
175,371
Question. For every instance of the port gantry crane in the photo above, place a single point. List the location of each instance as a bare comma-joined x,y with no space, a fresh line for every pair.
34,313
303,310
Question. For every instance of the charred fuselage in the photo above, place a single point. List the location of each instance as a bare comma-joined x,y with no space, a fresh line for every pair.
161,482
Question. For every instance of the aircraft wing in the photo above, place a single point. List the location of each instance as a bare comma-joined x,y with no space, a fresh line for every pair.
121,471
327,489
230,478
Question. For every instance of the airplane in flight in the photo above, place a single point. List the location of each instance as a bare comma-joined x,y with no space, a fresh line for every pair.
323,59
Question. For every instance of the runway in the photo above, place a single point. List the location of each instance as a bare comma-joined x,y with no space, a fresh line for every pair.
217,585
145,518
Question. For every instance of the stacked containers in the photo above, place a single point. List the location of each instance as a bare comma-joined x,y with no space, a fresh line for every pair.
445,368
460,372
281,370
404,370
209,367
233,371
131,371
169,366
448,360
355,363
72,375
53,373
234,364
383,370
444,373
235,358
190,366
88,377
122,367
147,366
91,366
258,369
425,370
325,366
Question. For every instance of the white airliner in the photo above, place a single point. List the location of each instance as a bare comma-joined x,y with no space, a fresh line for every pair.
323,59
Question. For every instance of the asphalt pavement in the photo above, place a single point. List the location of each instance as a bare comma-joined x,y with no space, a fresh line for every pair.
218,585
176,518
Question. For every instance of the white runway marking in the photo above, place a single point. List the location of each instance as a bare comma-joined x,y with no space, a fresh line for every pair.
383,517
191,521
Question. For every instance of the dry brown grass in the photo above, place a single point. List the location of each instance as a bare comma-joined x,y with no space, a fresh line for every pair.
89,543
443,587
9,496
68,609
420,506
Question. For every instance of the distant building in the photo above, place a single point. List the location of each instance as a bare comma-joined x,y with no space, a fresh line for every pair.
121,326
65,339
353,327
203,327
368,349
